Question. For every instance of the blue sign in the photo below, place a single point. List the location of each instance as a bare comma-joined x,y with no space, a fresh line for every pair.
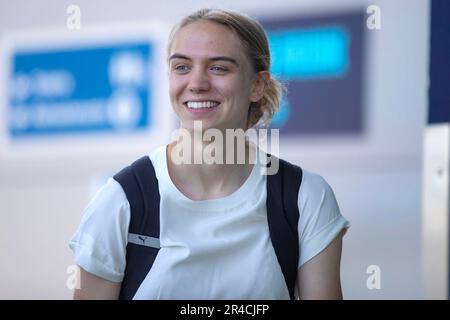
96,89
321,60
319,52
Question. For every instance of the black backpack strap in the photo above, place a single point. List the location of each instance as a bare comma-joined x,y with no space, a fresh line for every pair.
283,214
140,185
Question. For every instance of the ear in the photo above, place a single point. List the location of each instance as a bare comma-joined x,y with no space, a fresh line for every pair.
260,81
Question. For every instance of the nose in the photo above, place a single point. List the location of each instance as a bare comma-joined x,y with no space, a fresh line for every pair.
198,81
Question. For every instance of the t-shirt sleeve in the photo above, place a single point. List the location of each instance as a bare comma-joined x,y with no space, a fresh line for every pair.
99,244
320,218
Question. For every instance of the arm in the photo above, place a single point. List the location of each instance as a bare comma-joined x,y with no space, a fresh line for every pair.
319,278
95,288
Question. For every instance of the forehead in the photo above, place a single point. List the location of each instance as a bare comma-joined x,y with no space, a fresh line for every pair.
205,38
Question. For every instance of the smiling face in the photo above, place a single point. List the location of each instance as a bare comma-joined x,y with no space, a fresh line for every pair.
210,77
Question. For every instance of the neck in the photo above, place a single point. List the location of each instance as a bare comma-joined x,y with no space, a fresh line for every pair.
217,167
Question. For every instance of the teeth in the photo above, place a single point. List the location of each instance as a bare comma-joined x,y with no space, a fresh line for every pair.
201,104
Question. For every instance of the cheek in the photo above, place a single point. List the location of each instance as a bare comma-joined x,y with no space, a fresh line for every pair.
176,85
235,89
240,92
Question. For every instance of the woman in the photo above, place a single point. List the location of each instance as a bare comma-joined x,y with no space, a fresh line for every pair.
214,234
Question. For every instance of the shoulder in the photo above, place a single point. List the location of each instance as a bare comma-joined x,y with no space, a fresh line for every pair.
110,193
316,197
107,212
107,207
313,183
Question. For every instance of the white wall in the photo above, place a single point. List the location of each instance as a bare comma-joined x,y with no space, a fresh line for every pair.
376,177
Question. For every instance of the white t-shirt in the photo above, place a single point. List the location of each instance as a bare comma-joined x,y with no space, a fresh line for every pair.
210,249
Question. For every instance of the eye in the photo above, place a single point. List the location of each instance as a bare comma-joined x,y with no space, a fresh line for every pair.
219,69
181,68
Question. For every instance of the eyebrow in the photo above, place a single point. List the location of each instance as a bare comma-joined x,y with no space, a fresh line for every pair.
218,58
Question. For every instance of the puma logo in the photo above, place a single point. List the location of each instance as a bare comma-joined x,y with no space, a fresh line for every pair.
142,238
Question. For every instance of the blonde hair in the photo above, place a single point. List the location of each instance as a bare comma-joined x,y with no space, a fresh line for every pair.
256,45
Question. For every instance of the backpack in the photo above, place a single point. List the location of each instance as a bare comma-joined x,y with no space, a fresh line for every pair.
140,185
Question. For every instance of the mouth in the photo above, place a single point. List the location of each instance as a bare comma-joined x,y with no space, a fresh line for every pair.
201,106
